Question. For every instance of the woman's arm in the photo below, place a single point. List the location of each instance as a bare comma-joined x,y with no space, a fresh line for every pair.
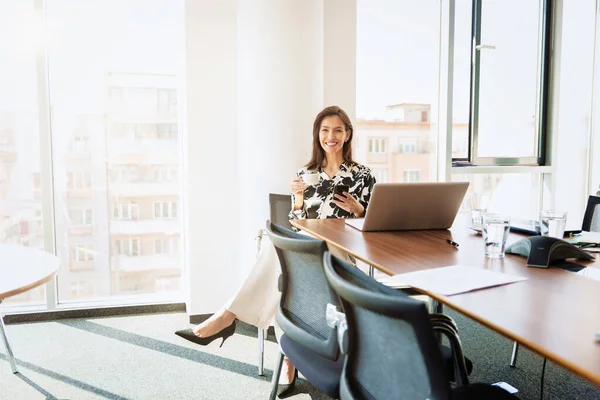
297,188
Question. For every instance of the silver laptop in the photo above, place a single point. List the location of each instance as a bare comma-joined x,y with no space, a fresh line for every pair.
411,206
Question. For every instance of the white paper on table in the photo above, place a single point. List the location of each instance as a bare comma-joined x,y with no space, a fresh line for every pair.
593,273
453,279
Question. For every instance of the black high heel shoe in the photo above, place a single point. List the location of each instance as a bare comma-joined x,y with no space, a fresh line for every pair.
188,334
284,390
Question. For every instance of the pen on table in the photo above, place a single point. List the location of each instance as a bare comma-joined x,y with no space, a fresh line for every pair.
452,242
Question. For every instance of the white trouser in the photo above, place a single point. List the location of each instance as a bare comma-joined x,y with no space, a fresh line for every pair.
256,301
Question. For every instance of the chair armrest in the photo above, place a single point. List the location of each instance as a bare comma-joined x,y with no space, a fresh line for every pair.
461,375
327,348
437,317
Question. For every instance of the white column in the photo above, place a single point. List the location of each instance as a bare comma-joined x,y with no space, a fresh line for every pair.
340,55
280,78
212,194
255,75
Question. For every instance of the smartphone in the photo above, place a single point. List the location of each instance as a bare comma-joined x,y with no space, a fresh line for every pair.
339,189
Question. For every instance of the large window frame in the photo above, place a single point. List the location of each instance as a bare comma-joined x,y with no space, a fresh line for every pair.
44,185
542,89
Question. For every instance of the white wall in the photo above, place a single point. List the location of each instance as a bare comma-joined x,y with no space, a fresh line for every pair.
573,109
255,75
211,191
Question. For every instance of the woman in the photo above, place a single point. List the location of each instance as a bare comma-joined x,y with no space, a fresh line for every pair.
256,301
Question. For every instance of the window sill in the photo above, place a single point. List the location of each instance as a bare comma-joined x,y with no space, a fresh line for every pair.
503,169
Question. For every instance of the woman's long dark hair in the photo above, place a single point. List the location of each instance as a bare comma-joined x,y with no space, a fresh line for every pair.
318,154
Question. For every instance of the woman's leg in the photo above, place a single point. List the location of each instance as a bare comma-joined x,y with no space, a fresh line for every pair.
256,301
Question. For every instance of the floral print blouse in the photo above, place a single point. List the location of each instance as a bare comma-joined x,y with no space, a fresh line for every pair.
318,198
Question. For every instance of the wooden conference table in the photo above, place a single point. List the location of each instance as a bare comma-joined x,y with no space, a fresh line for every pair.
22,269
554,312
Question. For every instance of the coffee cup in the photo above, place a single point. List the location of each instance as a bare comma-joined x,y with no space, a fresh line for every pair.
311,178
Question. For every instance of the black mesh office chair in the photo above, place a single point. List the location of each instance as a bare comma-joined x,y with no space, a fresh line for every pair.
308,341
591,217
390,345
279,209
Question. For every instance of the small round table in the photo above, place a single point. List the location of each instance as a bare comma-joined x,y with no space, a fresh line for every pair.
21,269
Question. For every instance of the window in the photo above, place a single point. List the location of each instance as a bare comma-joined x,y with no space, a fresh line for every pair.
165,209
166,246
82,252
412,175
508,76
81,217
407,145
377,145
126,211
397,86
165,174
79,180
166,131
127,247
146,131
502,189
125,173
380,174
98,92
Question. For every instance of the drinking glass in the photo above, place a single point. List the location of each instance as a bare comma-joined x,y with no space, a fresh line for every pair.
479,204
552,223
495,232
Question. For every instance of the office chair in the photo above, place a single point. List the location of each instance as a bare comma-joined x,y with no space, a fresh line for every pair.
591,223
279,209
390,345
591,216
307,340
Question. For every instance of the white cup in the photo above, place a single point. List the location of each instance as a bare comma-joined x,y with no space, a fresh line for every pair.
311,178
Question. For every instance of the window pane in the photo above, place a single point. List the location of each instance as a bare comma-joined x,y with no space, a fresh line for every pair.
517,195
397,78
508,74
108,62
20,195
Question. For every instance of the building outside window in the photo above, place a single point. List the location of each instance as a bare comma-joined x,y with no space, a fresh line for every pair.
81,217
412,175
380,174
125,173
79,180
377,145
408,145
165,209
166,246
82,252
165,174
126,211
128,247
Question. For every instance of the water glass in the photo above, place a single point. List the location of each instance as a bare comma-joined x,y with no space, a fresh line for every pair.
552,223
479,204
495,232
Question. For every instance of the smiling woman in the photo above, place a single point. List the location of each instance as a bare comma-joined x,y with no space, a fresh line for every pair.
332,161
256,301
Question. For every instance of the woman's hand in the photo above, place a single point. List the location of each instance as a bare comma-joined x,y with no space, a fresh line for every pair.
347,202
297,188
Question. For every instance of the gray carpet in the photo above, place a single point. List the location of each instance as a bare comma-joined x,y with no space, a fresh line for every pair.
139,357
